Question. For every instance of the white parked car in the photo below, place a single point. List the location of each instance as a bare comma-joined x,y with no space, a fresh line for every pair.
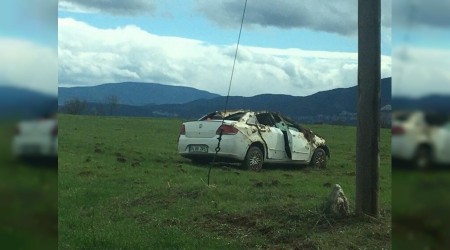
252,138
36,138
423,139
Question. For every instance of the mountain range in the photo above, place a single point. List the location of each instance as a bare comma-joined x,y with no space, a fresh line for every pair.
23,103
325,103
323,106
434,103
134,93
158,100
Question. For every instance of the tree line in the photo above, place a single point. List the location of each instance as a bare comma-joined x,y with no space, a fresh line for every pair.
77,106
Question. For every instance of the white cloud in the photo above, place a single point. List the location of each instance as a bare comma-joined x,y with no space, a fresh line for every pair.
421,71
25,64
89,56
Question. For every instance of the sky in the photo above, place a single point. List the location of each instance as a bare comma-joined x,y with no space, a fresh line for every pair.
28,44
421,48
290,48
286,47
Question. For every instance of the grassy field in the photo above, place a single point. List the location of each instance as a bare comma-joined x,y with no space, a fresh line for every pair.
29,198
420,209
123,185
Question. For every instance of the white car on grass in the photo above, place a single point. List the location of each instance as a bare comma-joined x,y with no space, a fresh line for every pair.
36,138
252,138
420,138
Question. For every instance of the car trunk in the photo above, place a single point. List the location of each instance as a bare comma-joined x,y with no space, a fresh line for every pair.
202,129
36,128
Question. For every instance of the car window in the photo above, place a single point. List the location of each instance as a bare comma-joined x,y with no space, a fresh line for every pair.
436,119
279,123
235,117
447,126
265,119
401,117
211,116
218,116
289,123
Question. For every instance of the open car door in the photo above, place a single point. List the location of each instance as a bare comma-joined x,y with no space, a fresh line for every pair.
299,147
441,141
272,137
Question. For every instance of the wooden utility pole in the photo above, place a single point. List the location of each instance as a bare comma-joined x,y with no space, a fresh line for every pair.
368,130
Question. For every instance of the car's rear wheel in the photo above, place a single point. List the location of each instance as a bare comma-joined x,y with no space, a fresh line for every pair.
422,159
254,159
319,159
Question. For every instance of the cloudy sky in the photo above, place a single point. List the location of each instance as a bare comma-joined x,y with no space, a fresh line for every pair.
28,44
421,54
288,47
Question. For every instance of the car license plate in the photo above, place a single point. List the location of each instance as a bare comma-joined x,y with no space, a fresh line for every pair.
198,149
31,149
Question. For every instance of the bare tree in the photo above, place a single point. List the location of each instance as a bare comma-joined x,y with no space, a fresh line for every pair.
100,109
74,106
368,129
112,101
97,109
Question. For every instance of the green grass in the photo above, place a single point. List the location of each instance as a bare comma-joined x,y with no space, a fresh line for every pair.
29,199
123,185
420,209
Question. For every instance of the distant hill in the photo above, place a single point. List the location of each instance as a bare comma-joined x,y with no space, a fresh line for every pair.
325,103
437,103
337,105
134,93
23,103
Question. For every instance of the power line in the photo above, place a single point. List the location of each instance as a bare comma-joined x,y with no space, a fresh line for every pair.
217,149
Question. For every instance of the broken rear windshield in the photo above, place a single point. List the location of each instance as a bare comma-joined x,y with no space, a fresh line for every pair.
402,117
235,117
218,116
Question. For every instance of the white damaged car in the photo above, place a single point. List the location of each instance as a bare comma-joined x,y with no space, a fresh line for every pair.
36,138
423,139
252,138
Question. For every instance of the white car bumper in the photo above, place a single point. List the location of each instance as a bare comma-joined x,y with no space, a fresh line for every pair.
403,147
30,146
231,147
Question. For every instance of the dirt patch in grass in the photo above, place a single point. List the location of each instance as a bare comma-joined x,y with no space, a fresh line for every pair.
88,159
192,194
327,184
85,173
120,157
143,218
99,151
421,226
135,163
288,226
150,199
256,224
275,182
350,173
98,148
155,199
259,184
